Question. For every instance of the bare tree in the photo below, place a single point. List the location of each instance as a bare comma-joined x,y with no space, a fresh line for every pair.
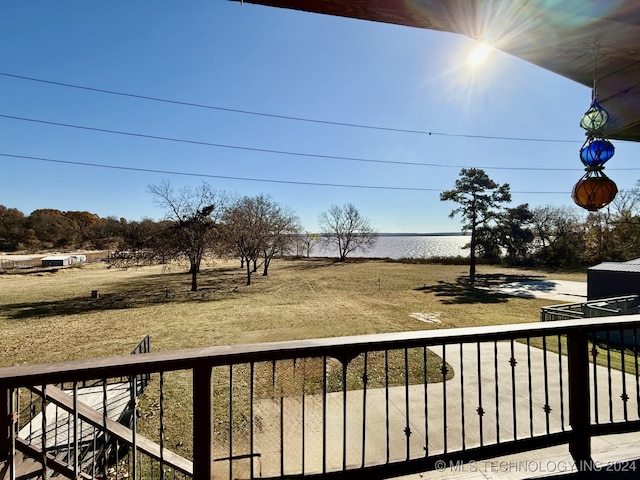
559,236
195,214
242,233
280,227
627,201
347,229
257,227
305,243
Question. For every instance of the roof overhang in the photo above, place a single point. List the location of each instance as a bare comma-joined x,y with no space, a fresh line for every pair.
562,36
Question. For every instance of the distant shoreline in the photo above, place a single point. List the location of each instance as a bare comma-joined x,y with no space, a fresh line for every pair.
444,234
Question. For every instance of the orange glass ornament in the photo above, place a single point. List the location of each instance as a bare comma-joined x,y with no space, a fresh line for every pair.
594,191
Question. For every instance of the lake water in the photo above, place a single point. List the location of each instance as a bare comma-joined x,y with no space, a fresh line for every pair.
408,246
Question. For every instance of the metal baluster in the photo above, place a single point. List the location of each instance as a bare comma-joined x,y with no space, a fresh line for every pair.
444,396
281,432
407,429
365,380
495,367
547,407
251,439
95,449
635,361
425,379
69,423
461,375
324,414
344,413
513,364
624,395
32,414
75,430
17,406
480,410
609,376
14,408
530,386
44,432
134,426
594,354
231,425
105,434
303,400
561,383
117,454
386,396
161,402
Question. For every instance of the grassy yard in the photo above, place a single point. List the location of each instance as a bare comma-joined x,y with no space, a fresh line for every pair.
50,316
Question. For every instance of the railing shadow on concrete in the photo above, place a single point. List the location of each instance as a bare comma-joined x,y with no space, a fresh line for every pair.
378,406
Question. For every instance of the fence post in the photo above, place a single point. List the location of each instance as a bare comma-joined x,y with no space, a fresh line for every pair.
579,398
6,420
202,421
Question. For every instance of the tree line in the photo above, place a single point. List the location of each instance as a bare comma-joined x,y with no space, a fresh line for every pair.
544,236
198,222
257,229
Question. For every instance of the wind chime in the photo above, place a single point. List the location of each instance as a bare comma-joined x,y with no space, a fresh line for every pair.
595,190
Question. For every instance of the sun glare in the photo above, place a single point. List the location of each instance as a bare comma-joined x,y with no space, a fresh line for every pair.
479,55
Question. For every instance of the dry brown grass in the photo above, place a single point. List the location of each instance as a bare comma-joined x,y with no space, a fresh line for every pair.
50,316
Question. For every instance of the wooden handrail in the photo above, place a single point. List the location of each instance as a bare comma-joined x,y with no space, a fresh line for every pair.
129,365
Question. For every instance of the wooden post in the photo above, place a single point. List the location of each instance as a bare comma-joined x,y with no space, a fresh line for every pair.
579,399
5,425
202,421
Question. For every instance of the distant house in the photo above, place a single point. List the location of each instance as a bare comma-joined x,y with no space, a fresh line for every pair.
613,279
63,260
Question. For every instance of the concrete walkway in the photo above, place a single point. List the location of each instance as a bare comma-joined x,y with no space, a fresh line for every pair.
558,290
483,393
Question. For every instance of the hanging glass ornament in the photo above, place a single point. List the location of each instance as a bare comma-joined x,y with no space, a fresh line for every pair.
596,151
595,119
594,191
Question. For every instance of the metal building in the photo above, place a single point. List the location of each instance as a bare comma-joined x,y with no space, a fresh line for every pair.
613,279
63,260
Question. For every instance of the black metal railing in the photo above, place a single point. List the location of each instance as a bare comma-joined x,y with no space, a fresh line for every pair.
377,405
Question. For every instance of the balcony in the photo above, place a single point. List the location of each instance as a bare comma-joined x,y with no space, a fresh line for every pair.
374,406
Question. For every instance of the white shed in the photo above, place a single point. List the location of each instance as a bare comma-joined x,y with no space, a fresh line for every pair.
59,261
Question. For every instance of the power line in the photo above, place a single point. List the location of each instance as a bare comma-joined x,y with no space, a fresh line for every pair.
245,179
282,152
285,117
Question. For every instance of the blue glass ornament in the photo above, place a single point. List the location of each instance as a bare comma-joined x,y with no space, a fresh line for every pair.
596,152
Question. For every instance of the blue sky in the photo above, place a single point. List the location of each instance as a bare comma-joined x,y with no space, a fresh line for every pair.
281,63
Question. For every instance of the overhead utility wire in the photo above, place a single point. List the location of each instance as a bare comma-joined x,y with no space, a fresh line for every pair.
279,152
286,117
246,179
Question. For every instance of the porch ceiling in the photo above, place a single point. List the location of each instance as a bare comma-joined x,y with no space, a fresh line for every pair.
557,35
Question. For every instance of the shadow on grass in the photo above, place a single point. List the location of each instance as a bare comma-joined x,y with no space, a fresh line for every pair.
311,263
461,292
147,290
